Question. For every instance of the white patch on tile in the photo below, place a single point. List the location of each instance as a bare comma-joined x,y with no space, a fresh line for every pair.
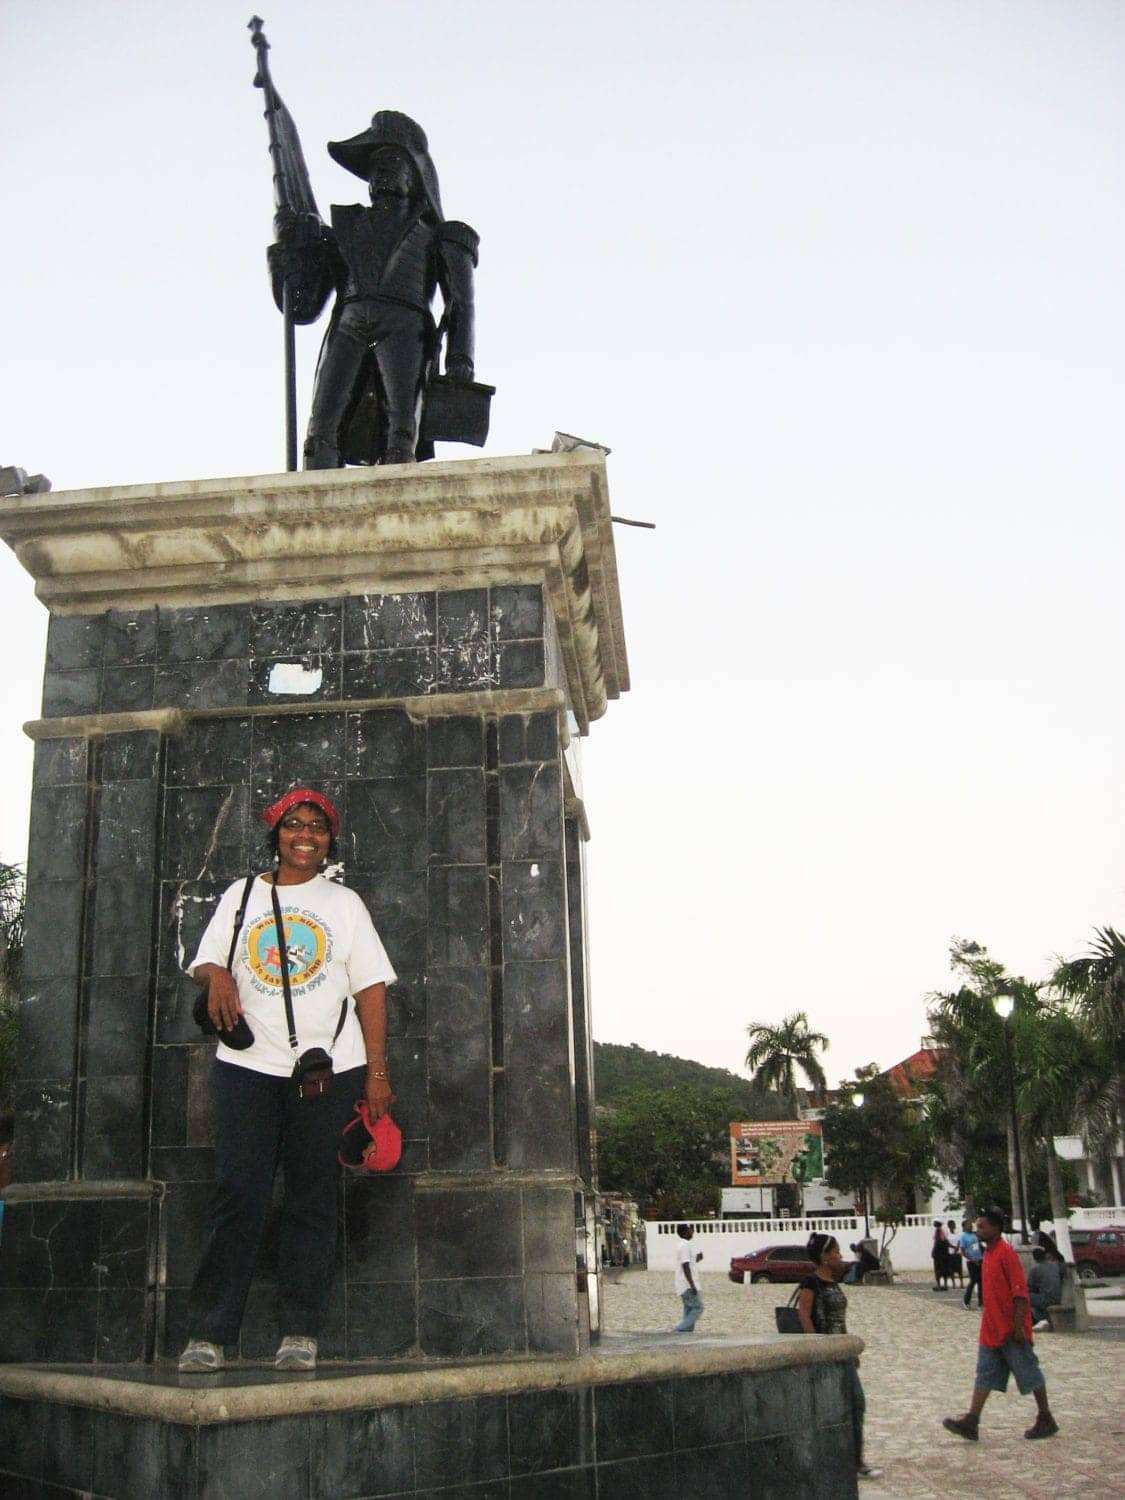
292,678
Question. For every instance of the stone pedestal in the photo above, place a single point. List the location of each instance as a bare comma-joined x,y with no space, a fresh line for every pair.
765,1419
425,645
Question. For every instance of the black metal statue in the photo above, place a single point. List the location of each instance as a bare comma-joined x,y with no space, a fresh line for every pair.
378,397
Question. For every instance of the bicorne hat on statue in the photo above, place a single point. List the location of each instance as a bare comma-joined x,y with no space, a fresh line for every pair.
390,128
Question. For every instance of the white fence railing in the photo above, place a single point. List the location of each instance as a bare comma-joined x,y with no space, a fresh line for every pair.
1092,1218
846,1222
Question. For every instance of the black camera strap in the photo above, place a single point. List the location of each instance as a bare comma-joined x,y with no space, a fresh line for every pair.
283,960
240,917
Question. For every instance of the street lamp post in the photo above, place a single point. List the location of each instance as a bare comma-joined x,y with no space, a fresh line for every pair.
857,1100
1005,1005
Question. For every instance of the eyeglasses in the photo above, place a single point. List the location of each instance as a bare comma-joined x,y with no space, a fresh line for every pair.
298,825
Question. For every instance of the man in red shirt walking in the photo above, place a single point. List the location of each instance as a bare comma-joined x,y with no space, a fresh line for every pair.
1005,1335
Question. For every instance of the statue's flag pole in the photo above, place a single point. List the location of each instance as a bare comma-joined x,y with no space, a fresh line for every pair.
294,204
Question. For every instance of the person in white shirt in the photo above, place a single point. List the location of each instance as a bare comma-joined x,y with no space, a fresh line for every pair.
684,1280
268,1107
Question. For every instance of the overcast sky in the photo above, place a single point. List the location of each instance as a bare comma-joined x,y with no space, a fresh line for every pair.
839,283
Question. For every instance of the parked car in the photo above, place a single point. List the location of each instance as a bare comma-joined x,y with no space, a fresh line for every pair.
774,1263
1099,1252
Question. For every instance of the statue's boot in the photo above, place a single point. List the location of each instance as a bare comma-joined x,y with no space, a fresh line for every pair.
399,454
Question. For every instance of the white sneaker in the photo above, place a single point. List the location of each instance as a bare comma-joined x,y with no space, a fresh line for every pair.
200,1357
1042,1323
865,1471
295,1353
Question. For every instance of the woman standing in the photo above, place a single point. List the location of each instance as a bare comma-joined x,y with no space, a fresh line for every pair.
823,1308
327,952
953,1253
939,1254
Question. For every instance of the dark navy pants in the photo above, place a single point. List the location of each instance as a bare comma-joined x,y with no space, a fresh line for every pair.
262,1124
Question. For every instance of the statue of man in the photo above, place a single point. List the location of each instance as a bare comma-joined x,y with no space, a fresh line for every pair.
384,264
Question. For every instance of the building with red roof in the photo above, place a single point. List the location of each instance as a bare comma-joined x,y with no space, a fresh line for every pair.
908,1076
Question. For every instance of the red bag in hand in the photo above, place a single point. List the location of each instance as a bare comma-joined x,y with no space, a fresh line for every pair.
368,1145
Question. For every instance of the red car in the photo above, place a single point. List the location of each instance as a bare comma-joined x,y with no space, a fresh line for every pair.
774,1263
1098,1252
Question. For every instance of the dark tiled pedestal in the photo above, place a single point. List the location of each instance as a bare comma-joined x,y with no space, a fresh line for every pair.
635,1420
455,835
453,629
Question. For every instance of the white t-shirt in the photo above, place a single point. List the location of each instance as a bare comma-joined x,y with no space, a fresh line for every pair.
685,1256
333,950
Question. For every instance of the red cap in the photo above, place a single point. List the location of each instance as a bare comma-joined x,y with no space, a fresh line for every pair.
385,1150
368,1145
277,810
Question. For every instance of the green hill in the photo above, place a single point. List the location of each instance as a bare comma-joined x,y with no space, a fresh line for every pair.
618,1069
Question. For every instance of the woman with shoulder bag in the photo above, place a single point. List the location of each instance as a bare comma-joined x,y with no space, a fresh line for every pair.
823,1308
280,961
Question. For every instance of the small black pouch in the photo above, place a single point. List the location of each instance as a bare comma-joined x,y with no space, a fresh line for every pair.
240,1036
312,1073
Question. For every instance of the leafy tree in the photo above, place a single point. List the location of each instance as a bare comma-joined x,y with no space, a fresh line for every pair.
668,1149
969,1144
970,1036
776,1052
884,1143
1056,1060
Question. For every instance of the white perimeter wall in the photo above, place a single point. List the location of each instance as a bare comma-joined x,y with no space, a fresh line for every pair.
720,1239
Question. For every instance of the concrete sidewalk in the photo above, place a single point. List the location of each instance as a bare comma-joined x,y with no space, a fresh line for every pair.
918,1368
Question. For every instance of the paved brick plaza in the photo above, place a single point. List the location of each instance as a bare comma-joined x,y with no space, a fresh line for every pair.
921,1353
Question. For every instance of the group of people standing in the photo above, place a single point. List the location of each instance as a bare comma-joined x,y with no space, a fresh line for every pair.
957,1256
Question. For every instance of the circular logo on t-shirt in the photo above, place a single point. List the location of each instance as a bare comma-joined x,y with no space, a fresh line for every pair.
306,944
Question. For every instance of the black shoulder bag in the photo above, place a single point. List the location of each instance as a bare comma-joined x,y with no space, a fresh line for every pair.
240,1036
312,1071
788,1319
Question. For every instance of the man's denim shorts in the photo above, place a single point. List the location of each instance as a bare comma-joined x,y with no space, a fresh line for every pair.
1020,1360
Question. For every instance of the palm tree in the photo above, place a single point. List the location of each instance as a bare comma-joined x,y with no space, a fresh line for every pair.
1095,984
1056,1060
776,1052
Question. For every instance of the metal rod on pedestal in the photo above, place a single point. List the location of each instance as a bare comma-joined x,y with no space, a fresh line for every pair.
290,379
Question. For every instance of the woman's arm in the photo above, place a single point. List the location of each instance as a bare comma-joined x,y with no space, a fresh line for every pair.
805,1302
371,1008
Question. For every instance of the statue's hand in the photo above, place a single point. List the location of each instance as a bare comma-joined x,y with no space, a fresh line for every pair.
287,259
285,222
457,367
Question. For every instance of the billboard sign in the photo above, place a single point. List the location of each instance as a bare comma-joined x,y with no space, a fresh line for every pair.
766,1152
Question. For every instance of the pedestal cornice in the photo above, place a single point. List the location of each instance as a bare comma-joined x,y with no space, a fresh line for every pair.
543,518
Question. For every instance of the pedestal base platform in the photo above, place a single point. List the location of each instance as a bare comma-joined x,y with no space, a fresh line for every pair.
651,1416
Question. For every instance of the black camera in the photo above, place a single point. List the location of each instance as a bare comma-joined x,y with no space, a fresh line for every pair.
239,1037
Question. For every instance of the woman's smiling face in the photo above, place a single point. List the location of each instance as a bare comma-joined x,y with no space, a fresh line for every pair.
303,839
